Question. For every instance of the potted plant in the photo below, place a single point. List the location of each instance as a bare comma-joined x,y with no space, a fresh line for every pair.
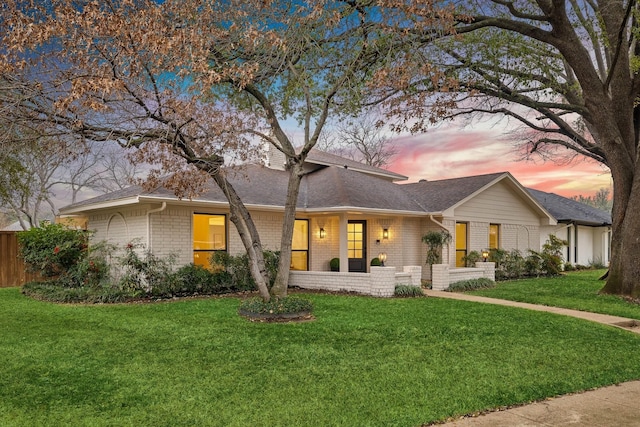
435,240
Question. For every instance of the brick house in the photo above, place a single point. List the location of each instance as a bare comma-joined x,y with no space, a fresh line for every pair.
346,210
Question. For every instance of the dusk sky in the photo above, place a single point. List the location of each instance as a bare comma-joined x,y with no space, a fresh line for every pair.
452,152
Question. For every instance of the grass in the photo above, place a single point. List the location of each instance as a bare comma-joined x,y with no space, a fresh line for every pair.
576,290
364,361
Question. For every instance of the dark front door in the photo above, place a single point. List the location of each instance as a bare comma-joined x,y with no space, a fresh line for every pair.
357,246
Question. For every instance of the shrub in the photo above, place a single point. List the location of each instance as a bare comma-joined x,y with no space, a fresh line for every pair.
471,258
471,284
569,267
146,274
52,249
237,268
194,279
375,262
408,291
435,240
551,255
597,263
509,264
286,305
334,264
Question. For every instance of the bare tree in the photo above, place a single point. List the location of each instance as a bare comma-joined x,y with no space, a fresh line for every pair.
362,139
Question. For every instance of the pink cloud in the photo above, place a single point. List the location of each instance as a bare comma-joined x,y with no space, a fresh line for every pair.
450,153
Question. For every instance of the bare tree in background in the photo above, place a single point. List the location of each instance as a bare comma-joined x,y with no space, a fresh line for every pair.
39,174
363,140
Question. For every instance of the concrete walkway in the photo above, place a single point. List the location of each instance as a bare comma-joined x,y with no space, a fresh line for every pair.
618,322
613,406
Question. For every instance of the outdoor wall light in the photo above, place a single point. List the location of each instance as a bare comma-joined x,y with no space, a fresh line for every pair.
385,233
485,255
323,234
382,257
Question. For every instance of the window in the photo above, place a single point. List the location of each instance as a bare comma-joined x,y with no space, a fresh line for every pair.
300,245
355,239
209,236
494,236
461,243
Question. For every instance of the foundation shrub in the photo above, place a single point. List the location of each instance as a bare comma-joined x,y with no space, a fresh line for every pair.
471,258
471,284
237,268
408,291
194,279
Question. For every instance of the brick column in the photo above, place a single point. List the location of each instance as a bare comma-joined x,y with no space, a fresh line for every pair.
383,281
440,277
488,269
416,274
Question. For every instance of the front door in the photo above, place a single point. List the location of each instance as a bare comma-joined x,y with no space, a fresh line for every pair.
357,246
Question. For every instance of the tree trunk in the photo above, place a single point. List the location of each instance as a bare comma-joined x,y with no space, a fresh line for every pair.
281,284
624,266
241,218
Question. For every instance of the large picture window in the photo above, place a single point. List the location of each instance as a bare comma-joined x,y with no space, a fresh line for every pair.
494,236
461,243
300,245
209,236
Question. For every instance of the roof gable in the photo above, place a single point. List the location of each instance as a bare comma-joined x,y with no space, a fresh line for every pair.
445,195
322,158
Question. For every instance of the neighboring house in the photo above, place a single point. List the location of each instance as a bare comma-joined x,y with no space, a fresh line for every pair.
346,210
587,230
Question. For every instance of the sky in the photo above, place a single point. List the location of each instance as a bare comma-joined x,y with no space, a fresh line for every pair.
450,151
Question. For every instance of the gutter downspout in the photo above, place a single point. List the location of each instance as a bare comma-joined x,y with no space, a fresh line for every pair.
437,222
149,212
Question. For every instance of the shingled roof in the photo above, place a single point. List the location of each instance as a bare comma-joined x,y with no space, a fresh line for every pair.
567,210
438,196
328,188
327,159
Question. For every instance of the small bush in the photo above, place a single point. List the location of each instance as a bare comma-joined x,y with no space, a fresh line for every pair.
597,264
471,284
53,250
408,291
471,258
287,305
569,267
237,268
334,264
375,262
194,279
146,274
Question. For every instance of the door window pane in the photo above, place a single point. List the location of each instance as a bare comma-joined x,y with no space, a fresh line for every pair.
300,245
461,243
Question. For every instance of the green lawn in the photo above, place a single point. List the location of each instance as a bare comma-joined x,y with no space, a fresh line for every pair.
577,290
364,362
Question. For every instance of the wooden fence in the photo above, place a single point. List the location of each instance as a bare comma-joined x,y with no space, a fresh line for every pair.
12,268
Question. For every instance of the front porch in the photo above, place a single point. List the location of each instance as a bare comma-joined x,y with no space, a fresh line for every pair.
380,282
